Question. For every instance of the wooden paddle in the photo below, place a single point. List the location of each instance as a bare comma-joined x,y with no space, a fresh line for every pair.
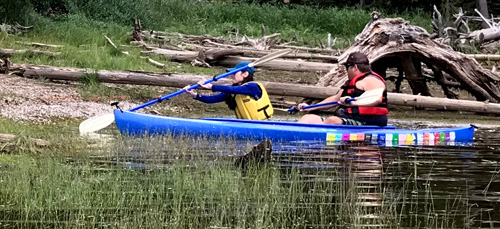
366,98
99,122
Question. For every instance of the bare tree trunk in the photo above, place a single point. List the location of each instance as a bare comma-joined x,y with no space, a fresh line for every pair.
413,71
482,6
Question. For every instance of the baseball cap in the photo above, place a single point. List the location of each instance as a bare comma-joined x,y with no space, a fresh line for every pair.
357,58
242,64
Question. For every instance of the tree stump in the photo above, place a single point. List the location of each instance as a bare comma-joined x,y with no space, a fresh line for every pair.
394,42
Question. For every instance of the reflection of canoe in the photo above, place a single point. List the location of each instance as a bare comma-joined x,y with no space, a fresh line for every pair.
131,123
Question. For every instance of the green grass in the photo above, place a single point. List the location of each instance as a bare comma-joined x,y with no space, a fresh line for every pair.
82,32
62,134
167,182
72,183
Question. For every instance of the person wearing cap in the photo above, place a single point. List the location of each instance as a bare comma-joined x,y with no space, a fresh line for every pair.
360,79
249,99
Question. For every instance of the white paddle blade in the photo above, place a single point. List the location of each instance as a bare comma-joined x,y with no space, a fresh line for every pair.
96,123
269,57
370,96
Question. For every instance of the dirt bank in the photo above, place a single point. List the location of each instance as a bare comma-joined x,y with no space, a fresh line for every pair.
24,99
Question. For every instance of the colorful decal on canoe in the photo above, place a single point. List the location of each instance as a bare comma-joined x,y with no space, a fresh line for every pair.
354,137
389,139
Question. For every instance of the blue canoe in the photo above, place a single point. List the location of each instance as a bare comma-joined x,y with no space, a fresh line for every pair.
131,123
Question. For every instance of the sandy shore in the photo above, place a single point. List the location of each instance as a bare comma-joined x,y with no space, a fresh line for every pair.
24,99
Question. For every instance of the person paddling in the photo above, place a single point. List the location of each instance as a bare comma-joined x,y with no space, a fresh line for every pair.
360,79
247,98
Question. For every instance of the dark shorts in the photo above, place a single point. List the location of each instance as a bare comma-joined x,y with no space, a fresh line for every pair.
359,120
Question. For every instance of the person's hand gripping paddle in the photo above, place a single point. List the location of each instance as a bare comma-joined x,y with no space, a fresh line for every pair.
366,98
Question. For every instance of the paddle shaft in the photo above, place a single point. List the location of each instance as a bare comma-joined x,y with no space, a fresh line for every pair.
194,86
326,104
295,109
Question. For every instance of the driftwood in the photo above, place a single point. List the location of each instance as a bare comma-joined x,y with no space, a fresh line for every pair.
36,141
250,52
137,33
264,43
166,36
114,46
15,29
154,62
484,57
221,57
39,45
459,35
484,35
409,46
6,53
273,88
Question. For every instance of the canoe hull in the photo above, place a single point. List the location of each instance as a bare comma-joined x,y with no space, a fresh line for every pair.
131,123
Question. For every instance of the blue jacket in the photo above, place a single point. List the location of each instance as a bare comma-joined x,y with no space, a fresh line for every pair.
251,89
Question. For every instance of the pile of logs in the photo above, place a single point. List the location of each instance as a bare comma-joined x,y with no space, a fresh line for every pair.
390,43
459,34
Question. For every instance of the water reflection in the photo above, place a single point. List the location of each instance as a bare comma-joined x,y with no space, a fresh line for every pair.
375,186
358,171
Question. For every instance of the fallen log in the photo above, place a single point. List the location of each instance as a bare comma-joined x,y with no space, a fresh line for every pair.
276,64
10,52
159,79
443,103
273,88
485,35
39,45
250,52
484,57
186,56
36,141
315,50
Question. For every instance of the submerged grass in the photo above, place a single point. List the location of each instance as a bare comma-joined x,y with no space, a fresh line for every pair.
62,135
185,182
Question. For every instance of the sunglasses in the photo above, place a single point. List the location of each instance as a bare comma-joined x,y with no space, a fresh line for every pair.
347,66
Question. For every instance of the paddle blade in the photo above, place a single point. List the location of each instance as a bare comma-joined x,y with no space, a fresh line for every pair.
269,57
96,123
369,97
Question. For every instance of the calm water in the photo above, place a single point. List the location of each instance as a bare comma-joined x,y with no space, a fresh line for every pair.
418,186
445,186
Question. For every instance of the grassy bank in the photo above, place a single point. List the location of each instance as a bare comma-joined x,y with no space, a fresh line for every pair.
81,31
168,182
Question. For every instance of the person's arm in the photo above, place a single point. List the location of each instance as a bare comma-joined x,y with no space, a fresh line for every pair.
251,89
332,98
205,98
211,98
